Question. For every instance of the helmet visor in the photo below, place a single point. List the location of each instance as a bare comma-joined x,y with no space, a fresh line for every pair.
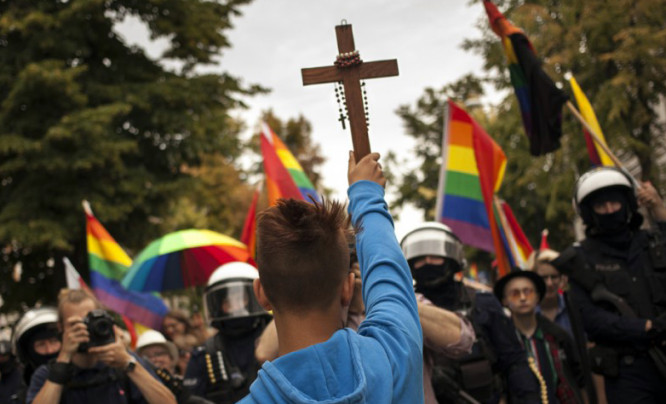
232,300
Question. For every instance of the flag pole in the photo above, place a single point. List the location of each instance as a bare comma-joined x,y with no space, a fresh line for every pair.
439,204
500,215
602,144
595,136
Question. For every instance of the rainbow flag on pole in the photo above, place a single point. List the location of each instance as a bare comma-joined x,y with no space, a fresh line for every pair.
108,265
598,156
472,172
539,99
285,177
517,245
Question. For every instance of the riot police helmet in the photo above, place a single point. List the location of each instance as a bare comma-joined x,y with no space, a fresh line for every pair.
602,184
230,303
433,239
40,324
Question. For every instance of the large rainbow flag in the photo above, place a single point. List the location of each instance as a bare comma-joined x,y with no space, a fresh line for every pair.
539,99
285,177
108,265
598,156
472,172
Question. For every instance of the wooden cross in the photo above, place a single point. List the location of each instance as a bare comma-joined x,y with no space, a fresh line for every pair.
350,77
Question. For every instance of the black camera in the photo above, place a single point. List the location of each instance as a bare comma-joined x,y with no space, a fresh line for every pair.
100,330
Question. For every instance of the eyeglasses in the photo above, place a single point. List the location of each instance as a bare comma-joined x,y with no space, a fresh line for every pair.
553,278
515,294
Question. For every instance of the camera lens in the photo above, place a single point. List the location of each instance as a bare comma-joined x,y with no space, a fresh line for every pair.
102,328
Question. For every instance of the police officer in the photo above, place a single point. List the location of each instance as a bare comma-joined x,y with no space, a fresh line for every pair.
223,369
618,282
497,365
35,341
10,373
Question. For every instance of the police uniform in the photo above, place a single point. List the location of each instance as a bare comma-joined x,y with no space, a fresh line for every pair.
497,365
618,282
223,369
622,344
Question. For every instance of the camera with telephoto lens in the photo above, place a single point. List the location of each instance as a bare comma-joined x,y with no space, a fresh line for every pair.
100,330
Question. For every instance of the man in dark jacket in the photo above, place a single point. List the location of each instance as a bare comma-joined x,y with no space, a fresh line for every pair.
497,365
618,281
548,345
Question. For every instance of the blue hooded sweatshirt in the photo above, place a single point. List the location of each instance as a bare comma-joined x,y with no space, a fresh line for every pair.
383,361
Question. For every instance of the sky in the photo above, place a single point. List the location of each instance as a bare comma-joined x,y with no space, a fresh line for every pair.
273,39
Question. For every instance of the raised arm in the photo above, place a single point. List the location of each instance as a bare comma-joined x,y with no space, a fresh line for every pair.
387,283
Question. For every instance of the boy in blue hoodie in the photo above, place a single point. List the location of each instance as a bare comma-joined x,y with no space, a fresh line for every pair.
304,277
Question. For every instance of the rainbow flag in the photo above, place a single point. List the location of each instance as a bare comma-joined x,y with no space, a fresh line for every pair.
598,156
472,172
539,99
285,177
108,264
249,235
517,245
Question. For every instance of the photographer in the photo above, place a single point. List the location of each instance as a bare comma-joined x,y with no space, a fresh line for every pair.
93,364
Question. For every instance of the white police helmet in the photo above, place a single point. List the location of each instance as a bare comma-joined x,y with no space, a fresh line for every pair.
597,179
230,294
433,238
35,323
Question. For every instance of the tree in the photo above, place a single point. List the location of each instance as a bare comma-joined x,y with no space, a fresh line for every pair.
86,116
616,52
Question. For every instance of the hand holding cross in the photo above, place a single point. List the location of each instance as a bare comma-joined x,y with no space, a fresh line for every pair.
350,70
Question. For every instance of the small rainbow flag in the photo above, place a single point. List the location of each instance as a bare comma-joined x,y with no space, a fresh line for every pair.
598,156
539,99
517,245
285,177
108,265
472,172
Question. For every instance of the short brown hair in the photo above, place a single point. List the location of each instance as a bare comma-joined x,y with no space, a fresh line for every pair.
302,253
74,296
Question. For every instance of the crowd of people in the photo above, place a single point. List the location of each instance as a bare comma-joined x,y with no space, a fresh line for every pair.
338,311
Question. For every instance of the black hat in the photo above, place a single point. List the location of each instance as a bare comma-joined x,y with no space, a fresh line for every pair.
534,277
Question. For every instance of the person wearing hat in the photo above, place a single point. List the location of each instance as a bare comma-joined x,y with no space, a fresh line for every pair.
618,282
548,345
155,348
163,355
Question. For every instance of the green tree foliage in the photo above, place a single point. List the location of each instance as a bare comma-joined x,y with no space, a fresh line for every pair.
86,116
616,52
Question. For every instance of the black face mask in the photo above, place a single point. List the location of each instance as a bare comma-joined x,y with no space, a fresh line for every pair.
431,276
613,222
239,327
